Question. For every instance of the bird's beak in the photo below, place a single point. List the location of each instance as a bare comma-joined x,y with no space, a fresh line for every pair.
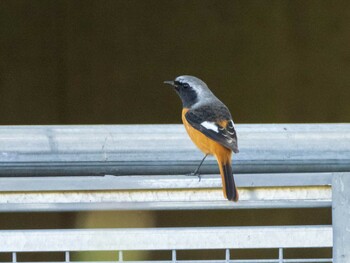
170,82
173,84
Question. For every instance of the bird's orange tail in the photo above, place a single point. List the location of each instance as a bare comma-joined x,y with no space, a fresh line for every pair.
228,182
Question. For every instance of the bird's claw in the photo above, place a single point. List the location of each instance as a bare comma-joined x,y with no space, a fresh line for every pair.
196,174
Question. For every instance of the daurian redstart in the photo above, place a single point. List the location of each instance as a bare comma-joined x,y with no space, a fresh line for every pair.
209,124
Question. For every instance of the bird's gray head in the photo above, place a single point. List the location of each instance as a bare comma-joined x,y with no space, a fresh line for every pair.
191,90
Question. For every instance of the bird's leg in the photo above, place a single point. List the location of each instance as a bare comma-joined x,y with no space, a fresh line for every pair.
196,172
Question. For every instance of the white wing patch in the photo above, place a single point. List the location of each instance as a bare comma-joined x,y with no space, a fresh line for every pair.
210,126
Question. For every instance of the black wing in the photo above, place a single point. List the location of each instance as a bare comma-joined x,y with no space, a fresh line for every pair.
207,121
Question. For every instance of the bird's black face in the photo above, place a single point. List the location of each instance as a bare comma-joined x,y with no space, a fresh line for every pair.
187,93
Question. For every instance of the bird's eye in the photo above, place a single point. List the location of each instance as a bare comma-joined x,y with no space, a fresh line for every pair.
185,85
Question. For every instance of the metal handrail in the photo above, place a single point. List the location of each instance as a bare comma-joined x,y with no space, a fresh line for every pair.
166,149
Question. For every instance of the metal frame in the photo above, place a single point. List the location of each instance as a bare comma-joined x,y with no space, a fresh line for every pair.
341,217
279,166
163,192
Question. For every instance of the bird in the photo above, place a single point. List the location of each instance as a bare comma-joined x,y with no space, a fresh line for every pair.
209,124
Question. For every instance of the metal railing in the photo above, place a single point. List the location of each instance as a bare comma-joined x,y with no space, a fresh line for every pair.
163,192
72,168
166,149
173,239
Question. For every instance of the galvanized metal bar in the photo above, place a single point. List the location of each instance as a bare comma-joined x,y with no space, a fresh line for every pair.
341,218
280,255
99,261
173,256
14,257
120,256
67,256
165,238
308,260
162,192
227,255
166,149
108,182
105,206
166,199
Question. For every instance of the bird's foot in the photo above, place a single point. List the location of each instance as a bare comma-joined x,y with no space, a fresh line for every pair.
196,174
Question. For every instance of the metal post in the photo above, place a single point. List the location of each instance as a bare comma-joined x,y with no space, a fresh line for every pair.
227,255
280,255
341,217
121,256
